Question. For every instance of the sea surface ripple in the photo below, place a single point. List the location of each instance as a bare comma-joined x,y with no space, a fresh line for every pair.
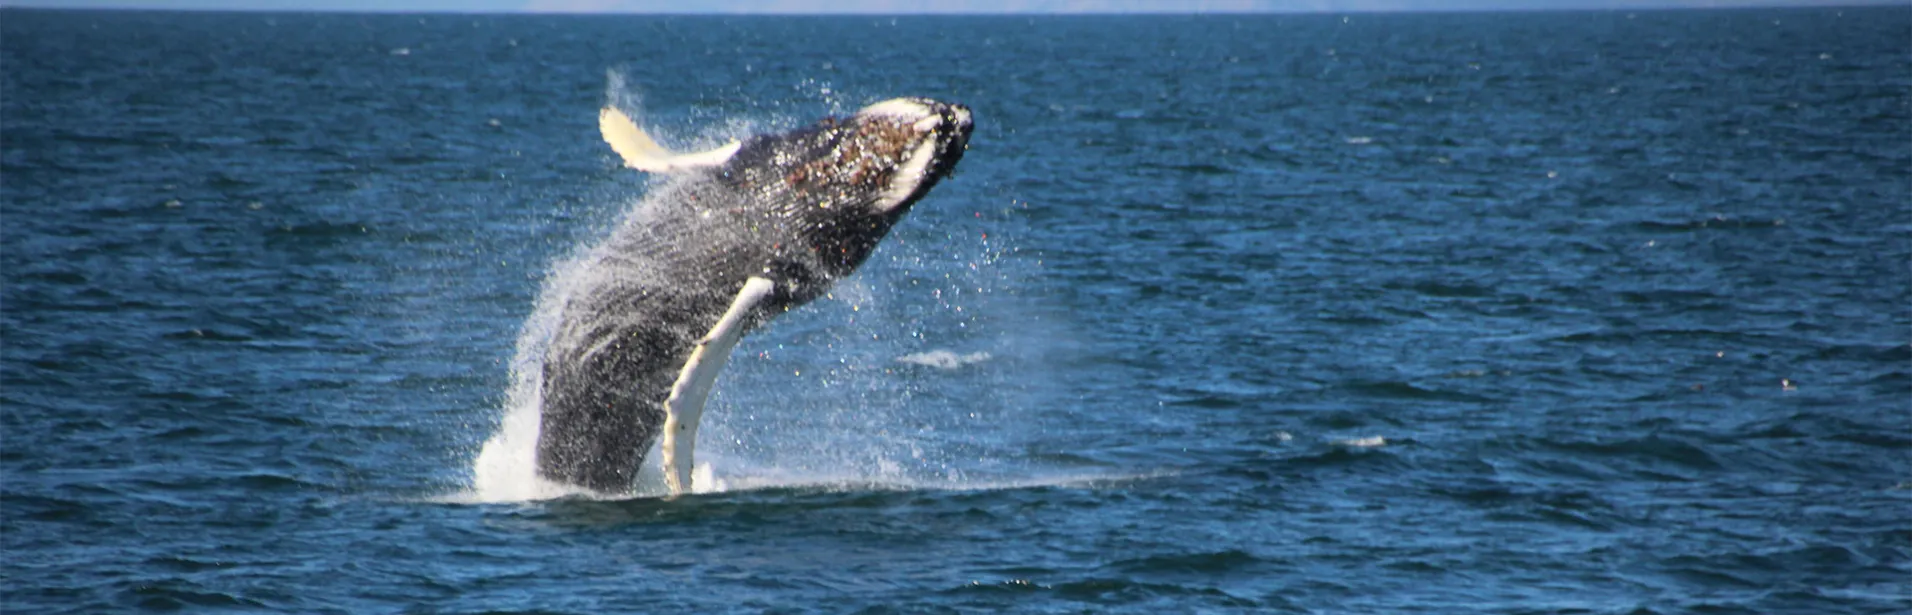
1580,312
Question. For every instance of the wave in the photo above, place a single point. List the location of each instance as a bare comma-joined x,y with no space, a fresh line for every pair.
739,477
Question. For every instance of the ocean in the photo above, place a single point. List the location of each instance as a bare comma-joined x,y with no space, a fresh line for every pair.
1556,312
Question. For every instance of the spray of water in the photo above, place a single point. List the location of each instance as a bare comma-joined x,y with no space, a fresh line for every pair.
828,398
854,434
505,469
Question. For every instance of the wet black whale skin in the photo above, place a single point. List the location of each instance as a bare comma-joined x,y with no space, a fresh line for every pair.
787,207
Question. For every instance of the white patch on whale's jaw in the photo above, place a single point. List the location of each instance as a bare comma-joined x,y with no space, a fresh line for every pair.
929,124
909,175
906,109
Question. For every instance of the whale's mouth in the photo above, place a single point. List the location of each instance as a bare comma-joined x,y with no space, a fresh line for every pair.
928,137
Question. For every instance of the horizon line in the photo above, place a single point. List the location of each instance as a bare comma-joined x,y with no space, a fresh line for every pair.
1225,7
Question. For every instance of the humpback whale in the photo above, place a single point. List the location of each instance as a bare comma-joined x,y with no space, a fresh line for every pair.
736,236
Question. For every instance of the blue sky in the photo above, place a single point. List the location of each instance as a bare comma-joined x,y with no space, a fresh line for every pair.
917,6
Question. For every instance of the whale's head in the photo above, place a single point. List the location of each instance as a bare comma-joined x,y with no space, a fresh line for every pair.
877,162
900,148
841,183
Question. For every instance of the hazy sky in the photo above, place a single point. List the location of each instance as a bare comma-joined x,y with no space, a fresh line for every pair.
916,6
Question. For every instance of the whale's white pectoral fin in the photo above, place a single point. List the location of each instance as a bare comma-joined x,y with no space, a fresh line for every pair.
641,152
686,404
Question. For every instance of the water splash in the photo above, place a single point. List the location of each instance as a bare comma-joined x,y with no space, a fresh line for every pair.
821,402
506,467
943,358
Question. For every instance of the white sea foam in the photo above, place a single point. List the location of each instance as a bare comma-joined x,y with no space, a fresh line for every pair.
943,359
505,470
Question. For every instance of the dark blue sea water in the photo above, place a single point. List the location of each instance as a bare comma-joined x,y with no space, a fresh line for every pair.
1503,313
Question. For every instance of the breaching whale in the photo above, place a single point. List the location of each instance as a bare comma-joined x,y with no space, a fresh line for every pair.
740,234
